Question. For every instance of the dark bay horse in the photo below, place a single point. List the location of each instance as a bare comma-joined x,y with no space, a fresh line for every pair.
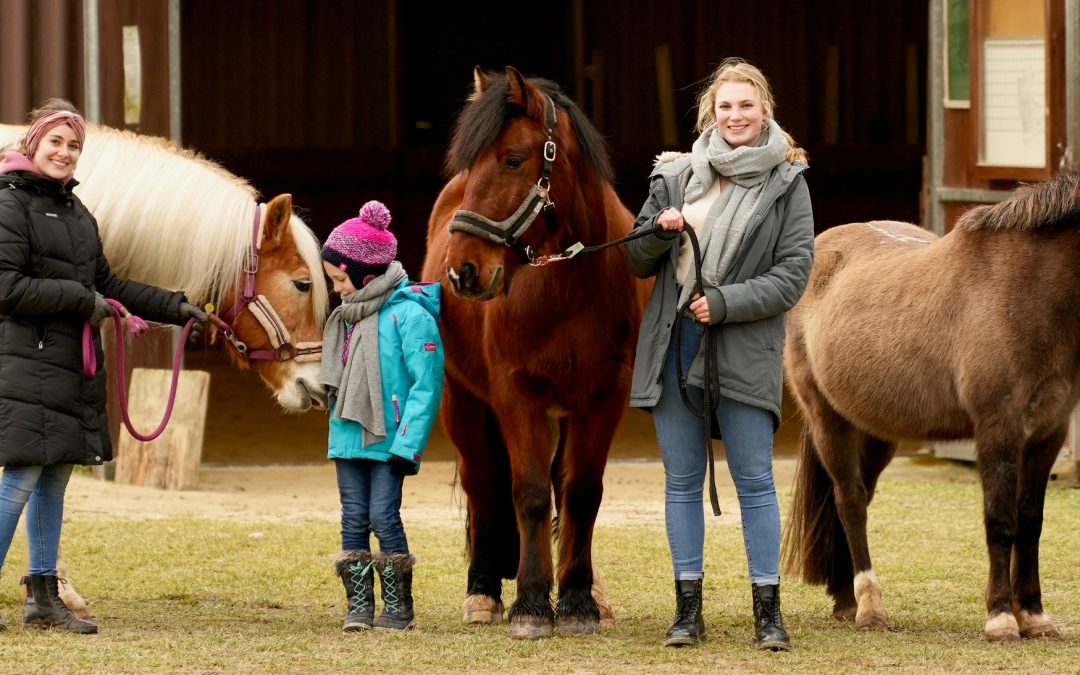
902,335
538,358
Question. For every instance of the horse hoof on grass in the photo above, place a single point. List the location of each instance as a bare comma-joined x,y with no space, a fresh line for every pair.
1036,626
846,613
578,625
482,609
1002,628
529,627
872,621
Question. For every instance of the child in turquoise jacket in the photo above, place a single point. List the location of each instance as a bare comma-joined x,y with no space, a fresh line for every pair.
383,367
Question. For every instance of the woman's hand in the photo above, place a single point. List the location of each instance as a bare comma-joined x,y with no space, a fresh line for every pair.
700,307
670,219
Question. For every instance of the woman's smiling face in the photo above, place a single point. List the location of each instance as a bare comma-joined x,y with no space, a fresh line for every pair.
58,153
740,115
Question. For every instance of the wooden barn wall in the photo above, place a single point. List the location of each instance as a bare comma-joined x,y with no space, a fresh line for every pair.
41,49
342,101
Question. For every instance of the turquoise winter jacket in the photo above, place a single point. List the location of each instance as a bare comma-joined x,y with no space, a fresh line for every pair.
412,360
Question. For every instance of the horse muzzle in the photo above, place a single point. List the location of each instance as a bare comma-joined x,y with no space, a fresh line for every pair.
465,281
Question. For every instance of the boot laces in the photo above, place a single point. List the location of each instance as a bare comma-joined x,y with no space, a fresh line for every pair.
357,573
390,591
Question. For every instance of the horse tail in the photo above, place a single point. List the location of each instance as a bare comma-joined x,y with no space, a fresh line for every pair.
814,541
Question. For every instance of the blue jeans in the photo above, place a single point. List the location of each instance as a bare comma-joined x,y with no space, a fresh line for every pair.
43,488
748,435
370,502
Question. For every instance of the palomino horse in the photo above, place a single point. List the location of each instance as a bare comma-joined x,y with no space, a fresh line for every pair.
902,335
538,358
172,218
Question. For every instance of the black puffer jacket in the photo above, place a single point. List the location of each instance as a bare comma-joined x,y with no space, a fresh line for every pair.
51,262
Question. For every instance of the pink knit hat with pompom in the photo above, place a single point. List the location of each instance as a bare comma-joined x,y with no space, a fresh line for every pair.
362,246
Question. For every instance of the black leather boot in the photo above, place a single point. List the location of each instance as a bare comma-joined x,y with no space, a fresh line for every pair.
49,611
689,627
357,572
395,578
769,630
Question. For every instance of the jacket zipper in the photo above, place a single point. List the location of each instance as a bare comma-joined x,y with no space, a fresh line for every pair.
397,410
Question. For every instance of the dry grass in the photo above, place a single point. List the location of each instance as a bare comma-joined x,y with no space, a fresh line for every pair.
188,594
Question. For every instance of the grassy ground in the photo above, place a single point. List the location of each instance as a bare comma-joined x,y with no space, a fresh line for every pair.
191,594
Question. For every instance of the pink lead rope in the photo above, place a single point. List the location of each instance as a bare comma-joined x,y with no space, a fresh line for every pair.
136,327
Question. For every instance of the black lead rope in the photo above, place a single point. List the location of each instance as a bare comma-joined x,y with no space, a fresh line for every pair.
712,374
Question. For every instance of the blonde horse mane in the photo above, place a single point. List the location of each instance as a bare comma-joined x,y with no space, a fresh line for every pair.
173,218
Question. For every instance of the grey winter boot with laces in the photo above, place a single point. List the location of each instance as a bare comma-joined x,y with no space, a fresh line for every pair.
357,572
395,577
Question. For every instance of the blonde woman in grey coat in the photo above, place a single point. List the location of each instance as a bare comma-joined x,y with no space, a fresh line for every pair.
742,192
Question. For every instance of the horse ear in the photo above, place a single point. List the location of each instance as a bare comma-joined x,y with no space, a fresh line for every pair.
517,89
481,81
276,221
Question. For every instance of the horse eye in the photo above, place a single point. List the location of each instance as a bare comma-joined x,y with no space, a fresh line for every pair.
514,162
302,285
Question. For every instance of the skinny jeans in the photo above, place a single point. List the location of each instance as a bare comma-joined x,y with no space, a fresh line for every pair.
748,441
41,489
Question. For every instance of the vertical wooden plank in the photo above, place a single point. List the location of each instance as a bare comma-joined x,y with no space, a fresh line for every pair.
171,461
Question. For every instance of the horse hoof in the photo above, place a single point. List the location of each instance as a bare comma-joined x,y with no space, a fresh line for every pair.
1002,628
872,621
607,614
846,613
529,627
482,609
577,625
1036,626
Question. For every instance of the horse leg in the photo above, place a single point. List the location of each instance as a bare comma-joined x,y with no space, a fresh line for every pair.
485,476
582,487
997,455
1035,465
838,470
530,450
599,595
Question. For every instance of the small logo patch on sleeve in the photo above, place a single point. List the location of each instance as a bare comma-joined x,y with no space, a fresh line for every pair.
429,346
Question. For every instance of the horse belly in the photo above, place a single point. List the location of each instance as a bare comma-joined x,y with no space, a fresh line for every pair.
885,380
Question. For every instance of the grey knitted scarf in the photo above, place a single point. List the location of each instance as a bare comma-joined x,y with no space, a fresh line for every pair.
748,170
357,384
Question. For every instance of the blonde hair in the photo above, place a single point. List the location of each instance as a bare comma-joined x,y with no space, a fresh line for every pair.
734,69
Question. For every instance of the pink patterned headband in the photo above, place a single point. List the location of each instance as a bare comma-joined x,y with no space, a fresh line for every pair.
45,123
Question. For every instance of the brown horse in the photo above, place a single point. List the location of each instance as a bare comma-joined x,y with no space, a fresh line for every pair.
902,335
538,358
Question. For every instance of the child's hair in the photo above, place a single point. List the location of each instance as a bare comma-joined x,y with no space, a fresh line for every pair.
362,246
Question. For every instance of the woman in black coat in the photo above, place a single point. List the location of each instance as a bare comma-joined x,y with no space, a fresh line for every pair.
53,279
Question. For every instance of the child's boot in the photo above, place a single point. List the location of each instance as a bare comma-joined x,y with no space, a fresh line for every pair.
357,572
395,577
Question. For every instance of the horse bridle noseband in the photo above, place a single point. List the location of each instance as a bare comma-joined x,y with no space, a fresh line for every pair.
264,313
509,230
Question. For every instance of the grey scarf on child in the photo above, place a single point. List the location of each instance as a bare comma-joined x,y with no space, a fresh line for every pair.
357,384
747,169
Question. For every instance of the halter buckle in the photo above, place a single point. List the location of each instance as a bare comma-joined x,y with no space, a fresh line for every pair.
549,151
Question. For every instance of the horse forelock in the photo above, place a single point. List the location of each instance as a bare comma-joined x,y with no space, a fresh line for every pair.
307,245
1035,206
483,118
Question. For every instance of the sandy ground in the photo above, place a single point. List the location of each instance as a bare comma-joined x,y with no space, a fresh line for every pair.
261,464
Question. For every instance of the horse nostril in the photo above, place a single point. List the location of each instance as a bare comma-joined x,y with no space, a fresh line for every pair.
467,274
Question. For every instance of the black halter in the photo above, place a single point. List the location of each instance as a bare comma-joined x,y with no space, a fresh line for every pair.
509,230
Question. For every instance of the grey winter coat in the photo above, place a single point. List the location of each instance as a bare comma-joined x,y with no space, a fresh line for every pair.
51,263
749,310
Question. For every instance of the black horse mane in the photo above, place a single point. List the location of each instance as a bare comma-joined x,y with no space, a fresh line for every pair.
1037,206
480,122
